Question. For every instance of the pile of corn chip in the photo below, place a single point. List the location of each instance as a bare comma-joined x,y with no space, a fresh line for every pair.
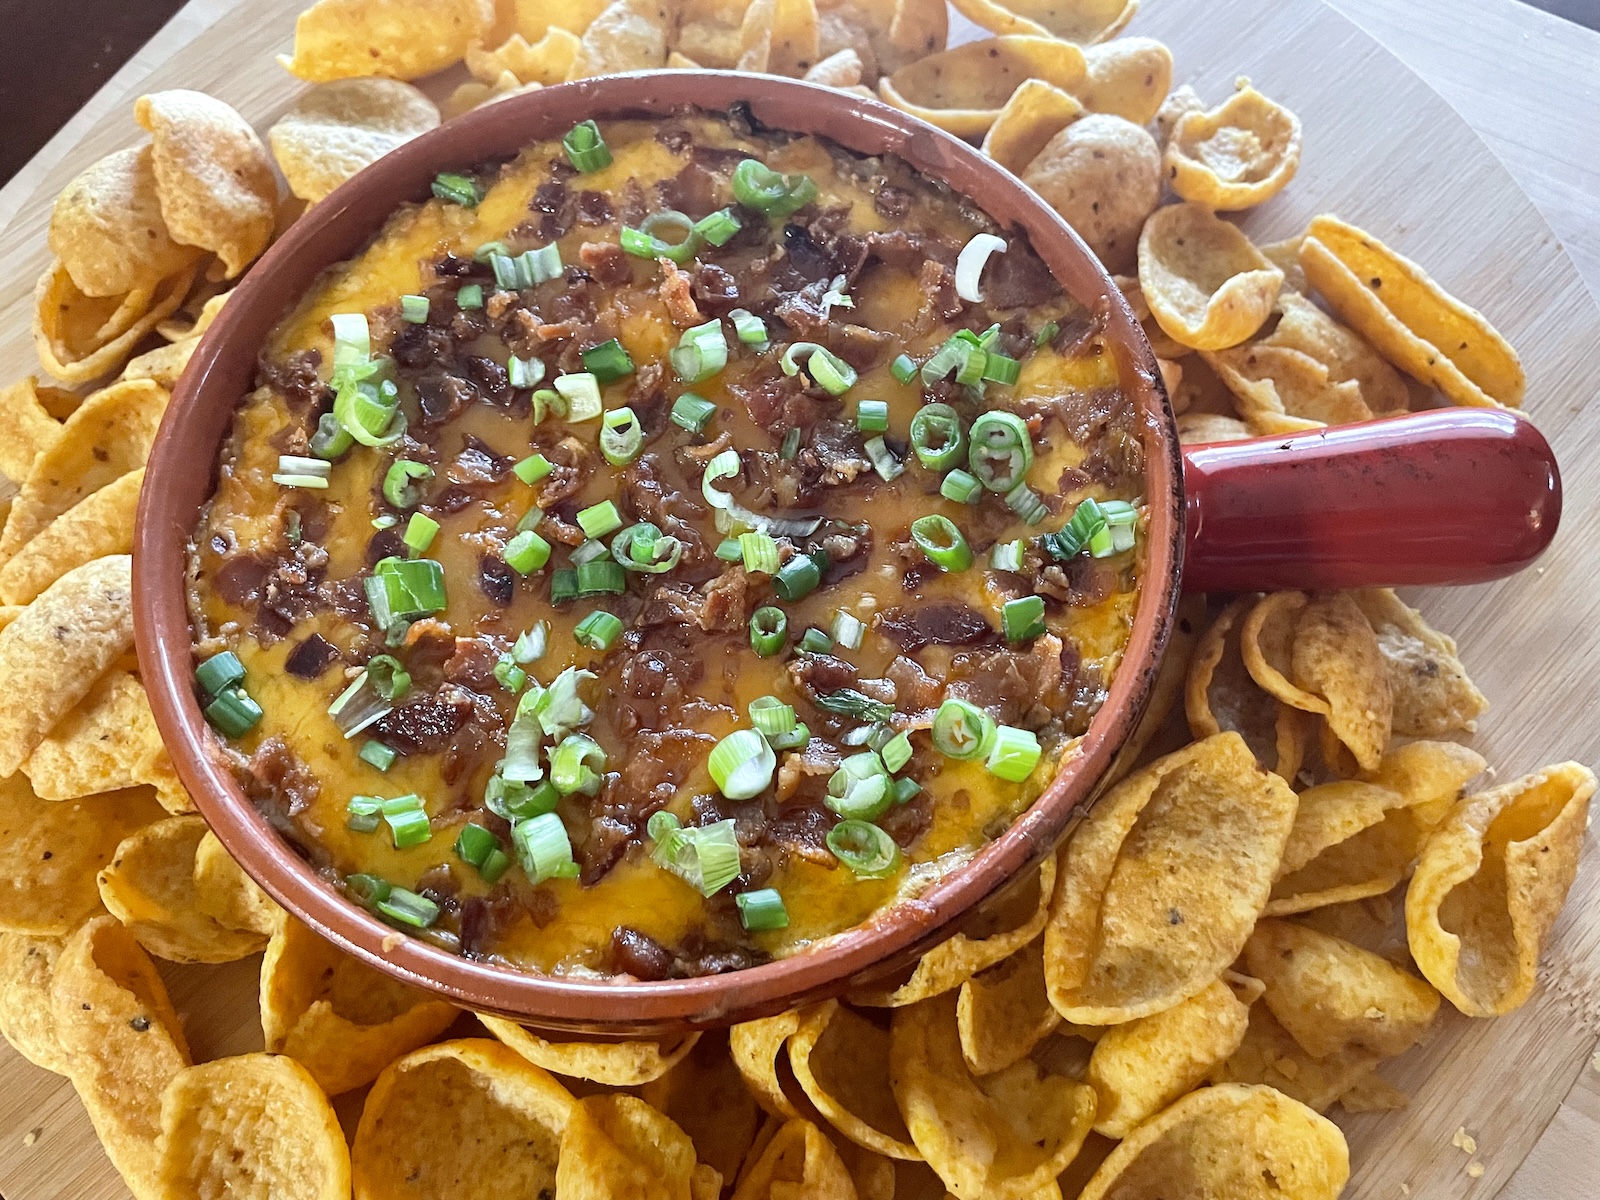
1291,864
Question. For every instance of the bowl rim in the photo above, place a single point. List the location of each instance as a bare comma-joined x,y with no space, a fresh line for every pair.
219,377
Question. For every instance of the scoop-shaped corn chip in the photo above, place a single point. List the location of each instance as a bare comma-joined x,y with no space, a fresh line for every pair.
841,1061
1220,695
1180,102
1417,325
255,1127
1269,1055
888,34
108,231
756,1048
52,654
1320,656
80,339
1375,923
335,129
1233,1140
398,39
799,1163
1198,428
1490,884
544,61
1358,838
149,887
107,437
1162,883
27,1020
1277,390
165,364
962,90
1206,284
1004,1136
27,430
1139,1068
998,928
474,95
343,1021
123,1041
1103,175
705,1095
1432,693
1333,996
616,1147
779,37
99,524
1240,154
708,32
1036,112
1004,1012
217,188
1081,21
841,70
616,1064
1128,77
50,853
630,35
532,19
462,1120
225,892
1349,358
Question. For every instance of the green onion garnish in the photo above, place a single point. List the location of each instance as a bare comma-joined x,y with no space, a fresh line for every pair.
486,253
962,730
530,645
608,361
420,531
598,631
937,437
407,821
997,368
896,751
600,519
961,487
718,229
847,702
407,908
414,309
884,462
791,444
798,577
397,487
762,910
360,705
547,402
330,441
859,789
469,296
752,330
1027,504
233,712
848,630
865,849
648,241
474,843
532,469
621,437
581,391
760,552
706,858
1001,451
601,578
728,550
904,789
1014,755
815,641
692,412
543,849
741,764
576,764
586,149
527,552
903,368
368,889
937,537
1047,334
771,716
827,370
363,814
757,186
1088,520
516,801
794,739
458,189
219,672
769,629
524,372
700,353
401,590
1022,619
295,471
495,865
642,548
388,677
509,675
872,416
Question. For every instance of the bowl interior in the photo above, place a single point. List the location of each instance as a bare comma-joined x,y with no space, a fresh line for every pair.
182,474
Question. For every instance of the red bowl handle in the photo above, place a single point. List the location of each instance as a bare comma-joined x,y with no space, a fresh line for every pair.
1448,496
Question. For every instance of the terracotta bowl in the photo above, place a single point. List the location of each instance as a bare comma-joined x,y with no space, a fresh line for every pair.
182,470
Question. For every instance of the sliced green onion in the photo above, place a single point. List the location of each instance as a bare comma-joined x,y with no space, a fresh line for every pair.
414,309
369,414
233,712
407,908
896,751
903,368
581,391
741,764
847,702
973,258
458,189
937,437
760,552
815,641
385,521
1066,543
794,739
527,552
369,889
397,486
798,577
997,368
530,519
962,730
1027,503
600,519
827,370
884,462
530,645
388,677
586,149
904,789
961,487
509,675
751,329
588,552
866,850
762,910
363,814
532,469
771,716
608,361
706,858
728,550
1101,544
474,843
1022,619
359,705
524,372
859,789
642,548
469,296
352,340
1046,335
791,444
295,472
692,412
1014,755
563,585
543,848
518,801
700,353
872,416
948,357
769,629
545,263
219,672
937,537
848,630
598,631
420,531
601,578
621,437
576,765
547,402
757,186
401,590
330,441
495,865
407,820
718,229
1001,450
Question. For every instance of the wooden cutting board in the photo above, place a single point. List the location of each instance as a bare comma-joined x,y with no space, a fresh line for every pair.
1381,150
